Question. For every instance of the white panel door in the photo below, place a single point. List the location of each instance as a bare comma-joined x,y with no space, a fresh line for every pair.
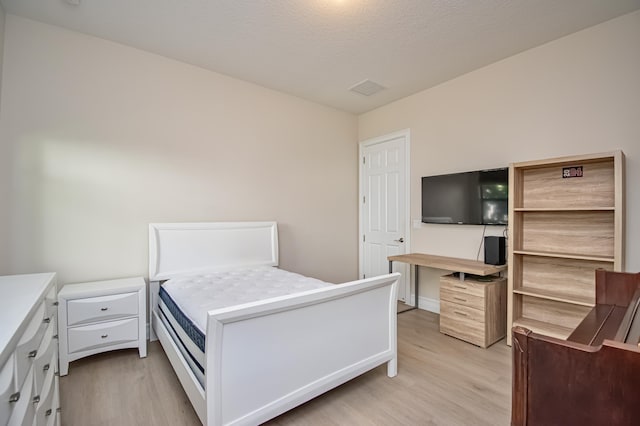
384,205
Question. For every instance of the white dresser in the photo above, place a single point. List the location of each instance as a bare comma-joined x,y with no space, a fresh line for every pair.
29,392
101,316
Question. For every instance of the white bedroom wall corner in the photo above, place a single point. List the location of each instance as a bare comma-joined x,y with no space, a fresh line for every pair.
2,22
231,151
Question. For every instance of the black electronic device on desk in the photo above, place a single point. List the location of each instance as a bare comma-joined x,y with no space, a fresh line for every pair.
495,250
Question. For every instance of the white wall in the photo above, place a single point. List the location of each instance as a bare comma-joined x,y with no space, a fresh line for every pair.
4,174
2,19
107,138
579,94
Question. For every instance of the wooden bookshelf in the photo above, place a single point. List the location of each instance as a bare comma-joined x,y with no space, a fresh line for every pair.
560,231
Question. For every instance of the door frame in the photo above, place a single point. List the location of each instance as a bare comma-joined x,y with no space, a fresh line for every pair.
406,134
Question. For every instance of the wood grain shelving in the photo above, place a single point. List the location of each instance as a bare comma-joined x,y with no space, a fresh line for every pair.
565,255
545,328
564,209
560,231
557,296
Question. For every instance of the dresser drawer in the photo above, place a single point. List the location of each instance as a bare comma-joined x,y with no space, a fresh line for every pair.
55,405
92,309
42,361
103,334
7,388
24,408
460,298
462,322
27,347
466,287
53,419
51,302
44,407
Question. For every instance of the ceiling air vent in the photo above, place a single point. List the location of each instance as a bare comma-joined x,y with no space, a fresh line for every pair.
367,88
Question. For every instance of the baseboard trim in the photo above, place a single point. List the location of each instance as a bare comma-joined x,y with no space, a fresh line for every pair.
427,304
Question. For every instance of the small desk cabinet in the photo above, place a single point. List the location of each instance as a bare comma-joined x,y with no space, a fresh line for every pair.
473,310
101,316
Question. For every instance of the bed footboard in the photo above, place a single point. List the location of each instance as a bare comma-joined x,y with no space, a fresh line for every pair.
267,357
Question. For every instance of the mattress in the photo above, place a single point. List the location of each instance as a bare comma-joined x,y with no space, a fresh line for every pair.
185,301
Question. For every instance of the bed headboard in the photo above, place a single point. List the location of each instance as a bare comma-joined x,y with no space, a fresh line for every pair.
179,248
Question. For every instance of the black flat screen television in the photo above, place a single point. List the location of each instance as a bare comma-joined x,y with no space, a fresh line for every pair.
473,198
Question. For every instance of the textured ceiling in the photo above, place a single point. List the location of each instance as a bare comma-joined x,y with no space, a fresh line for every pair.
318,49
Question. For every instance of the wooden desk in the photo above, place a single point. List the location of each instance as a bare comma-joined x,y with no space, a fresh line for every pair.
454,264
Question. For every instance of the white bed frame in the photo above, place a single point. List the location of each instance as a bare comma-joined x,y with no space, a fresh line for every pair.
266,357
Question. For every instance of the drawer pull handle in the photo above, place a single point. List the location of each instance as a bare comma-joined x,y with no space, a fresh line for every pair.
460,299
32,354
46,367
103,309
56,373
55,336
55,303
460,313
48,412
46,320
104,336
36,399
14,397
460,287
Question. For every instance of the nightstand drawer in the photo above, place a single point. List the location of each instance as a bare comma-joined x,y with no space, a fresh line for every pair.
461,298
467,286
92,309
110,333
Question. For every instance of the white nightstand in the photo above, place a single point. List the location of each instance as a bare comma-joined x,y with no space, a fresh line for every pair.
101,316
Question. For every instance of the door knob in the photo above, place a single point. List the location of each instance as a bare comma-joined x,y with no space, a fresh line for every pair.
400,240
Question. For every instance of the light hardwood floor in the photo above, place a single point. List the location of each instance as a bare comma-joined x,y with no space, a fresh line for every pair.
441,381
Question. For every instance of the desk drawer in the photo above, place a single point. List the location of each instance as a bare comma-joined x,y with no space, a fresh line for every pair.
466,287
93,309
110,333
461,312
462,322
461,298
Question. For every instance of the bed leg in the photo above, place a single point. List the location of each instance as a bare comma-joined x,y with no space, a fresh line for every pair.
392,367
